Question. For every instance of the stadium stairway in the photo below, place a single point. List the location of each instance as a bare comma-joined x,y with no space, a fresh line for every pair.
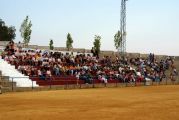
13,74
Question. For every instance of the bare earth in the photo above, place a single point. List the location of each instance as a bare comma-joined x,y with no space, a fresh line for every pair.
132,103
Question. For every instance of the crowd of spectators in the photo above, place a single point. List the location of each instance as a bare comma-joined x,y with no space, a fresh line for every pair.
45,64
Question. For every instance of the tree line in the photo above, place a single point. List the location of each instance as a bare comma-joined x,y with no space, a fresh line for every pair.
8,34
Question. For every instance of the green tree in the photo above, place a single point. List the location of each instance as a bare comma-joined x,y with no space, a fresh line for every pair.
97,44
117,39
26,31
51,45
69,42
6,33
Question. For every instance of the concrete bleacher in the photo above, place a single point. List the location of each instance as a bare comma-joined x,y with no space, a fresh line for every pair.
24,81
15,76
56,80
66,80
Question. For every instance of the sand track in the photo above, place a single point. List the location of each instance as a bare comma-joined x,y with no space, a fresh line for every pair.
135,103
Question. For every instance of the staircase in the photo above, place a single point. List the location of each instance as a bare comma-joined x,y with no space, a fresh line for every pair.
15,76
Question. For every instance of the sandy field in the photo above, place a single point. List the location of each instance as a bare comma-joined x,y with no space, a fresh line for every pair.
131,103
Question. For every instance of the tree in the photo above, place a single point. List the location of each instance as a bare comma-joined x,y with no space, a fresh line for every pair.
6,33
26,31
69,42
51,45
117,39
97,44
2,23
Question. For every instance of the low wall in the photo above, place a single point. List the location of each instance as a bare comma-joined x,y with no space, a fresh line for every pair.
4,43
103,52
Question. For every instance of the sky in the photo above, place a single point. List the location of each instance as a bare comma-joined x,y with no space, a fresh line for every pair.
152,25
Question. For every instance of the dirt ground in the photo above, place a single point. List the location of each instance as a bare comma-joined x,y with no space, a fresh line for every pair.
131,103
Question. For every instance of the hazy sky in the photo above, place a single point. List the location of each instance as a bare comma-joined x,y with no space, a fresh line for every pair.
152,25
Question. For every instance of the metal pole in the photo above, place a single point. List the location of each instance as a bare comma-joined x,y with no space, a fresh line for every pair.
32,85
122,47
1,85
80,85
159,82
50,82
12,84
66,84
93,83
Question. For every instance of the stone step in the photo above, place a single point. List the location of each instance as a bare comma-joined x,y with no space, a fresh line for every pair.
6,89
5,84
4,78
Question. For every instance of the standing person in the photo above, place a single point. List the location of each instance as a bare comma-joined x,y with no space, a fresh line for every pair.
173,77
104,79
157,78
97,54
19,45
0,90
77,78
93,52
12,47
48,74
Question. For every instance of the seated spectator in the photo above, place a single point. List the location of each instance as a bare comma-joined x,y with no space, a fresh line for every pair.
41,76
157,77
57,71
45,64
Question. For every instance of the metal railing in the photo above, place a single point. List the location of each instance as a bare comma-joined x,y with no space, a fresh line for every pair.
8,84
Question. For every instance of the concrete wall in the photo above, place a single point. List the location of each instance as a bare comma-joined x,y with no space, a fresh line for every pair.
106,53
82,50
177,58
3,43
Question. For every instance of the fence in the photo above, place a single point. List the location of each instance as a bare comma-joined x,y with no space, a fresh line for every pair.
8,84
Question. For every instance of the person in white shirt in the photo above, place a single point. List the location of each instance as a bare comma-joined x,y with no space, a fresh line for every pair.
48,74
